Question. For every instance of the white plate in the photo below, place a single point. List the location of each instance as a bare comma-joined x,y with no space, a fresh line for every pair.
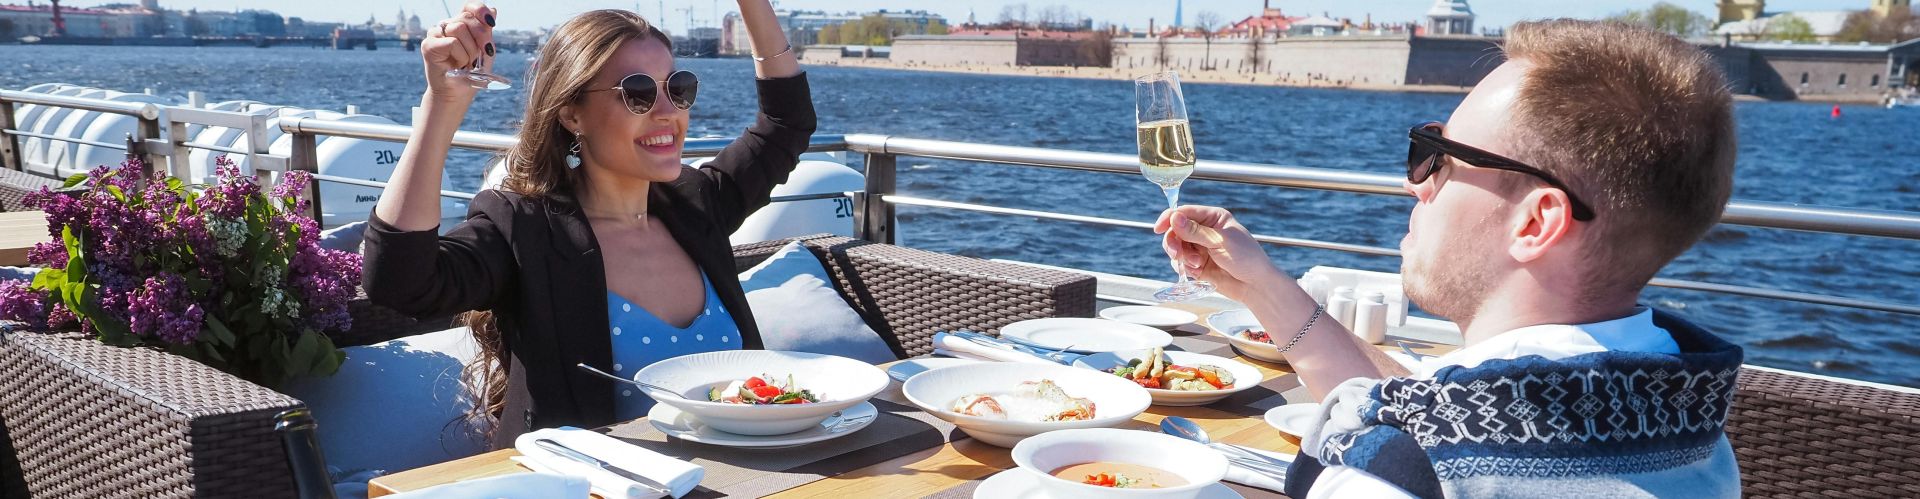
1079,335
1244,376
1025,484
1294,419
1116,401
1233,322
839,382
678,424
907,368
1160,317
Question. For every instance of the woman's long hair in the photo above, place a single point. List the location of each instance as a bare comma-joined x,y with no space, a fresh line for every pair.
536,167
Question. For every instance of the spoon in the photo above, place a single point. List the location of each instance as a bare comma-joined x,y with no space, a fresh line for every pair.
604,374
1187,429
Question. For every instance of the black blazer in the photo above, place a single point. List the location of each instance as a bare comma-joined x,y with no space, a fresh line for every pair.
535,263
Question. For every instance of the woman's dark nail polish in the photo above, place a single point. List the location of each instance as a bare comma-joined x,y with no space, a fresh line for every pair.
489,20
489,49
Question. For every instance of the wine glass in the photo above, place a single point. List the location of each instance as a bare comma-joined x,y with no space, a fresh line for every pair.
480,75
1166,156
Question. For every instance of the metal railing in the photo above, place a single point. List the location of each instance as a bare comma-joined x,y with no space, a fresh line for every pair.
875,206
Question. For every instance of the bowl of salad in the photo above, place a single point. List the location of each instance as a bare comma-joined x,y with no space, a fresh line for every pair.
1175,378
761,392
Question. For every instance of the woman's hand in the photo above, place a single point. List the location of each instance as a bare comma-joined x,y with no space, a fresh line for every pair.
457,43
1216,248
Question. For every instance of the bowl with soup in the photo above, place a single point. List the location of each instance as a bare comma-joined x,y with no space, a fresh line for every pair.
1108,462
1000,403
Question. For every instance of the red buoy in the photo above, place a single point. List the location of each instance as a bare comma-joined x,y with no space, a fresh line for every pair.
1836,110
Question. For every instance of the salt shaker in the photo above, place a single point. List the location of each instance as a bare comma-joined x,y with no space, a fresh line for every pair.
1370,318
1340,305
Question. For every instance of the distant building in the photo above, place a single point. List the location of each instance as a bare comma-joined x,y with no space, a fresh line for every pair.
1748,20
1007,47
1270,23
1785,71
1884,7
37,20
1450,17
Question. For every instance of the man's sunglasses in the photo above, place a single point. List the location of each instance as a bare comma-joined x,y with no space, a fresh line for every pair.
640,91
1428,144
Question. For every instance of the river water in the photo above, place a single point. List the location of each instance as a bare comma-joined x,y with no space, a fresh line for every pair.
1789,152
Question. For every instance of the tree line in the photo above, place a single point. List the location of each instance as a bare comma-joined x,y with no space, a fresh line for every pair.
1861,26
876,29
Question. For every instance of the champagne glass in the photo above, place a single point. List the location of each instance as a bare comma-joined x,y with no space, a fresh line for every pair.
480,75
1166,156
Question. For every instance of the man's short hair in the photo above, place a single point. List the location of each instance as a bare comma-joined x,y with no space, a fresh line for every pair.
1639,124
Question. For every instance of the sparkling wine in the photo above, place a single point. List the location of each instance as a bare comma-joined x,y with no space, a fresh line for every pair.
1166,151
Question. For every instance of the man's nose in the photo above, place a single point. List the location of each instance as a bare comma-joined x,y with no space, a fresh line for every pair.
1418,191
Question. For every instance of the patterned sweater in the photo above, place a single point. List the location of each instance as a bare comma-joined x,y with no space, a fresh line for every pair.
1606,424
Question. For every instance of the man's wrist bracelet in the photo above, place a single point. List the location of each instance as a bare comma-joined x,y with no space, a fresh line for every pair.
1317,312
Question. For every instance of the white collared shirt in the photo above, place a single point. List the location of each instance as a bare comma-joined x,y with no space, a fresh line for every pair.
1633,333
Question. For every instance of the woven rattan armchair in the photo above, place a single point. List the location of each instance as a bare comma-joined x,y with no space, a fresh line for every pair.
1797,436
82,419
15,185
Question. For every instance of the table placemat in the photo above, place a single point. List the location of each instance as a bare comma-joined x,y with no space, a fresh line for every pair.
731,472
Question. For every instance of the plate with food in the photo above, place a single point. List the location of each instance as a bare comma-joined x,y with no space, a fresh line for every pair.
1150,316
1247,335
679,424
1001,403
761,392
1082,335
1175,378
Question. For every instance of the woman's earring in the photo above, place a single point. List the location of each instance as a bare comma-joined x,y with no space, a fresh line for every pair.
573,154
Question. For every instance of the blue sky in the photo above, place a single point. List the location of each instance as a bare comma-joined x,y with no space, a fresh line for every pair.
530,14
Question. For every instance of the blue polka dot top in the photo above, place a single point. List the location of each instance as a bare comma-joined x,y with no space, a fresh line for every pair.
640,339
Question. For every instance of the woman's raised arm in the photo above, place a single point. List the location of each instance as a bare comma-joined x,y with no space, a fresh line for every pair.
773,55
411,201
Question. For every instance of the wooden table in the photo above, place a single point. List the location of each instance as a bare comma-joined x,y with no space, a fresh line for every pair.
939,469
19,231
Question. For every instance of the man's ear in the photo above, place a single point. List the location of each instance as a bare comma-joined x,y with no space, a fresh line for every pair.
1544,223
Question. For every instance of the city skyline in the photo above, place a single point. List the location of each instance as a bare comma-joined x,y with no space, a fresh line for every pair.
531,15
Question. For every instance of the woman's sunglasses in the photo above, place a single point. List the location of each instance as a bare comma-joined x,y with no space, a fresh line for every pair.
1429,143
640,91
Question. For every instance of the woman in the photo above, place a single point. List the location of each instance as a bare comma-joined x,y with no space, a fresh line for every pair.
601,248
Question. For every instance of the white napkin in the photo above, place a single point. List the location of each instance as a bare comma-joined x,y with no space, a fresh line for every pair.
679,476
956,346
1250,478
514,486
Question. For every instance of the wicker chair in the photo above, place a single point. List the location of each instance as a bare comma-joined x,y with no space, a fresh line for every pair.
1797,436
81,419
15,185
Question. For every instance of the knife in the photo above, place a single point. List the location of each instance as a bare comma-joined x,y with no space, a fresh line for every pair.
569,453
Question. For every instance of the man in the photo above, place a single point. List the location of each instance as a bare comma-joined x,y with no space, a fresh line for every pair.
1570,175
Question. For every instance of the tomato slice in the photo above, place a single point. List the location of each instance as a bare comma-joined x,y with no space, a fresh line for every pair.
755,382
1103,480
765,391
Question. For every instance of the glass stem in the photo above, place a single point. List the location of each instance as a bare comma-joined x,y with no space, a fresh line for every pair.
1173,201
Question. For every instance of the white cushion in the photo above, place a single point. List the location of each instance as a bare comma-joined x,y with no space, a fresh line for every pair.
396,405
797,309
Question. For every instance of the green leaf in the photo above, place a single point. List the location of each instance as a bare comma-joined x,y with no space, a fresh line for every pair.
117,193
221,335
306,352
50,280
73,180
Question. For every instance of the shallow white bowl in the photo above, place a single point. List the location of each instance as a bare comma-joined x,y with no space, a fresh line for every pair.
1232,323
1200,466
1115,400
840,383
1244,376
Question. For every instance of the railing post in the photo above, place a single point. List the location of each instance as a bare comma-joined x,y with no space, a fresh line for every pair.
149,129
177,152
873,217
305,158
9,146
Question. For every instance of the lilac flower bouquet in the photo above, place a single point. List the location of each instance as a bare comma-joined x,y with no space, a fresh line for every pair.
226,274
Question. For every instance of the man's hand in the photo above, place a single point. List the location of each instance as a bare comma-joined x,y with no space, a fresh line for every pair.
1216,248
